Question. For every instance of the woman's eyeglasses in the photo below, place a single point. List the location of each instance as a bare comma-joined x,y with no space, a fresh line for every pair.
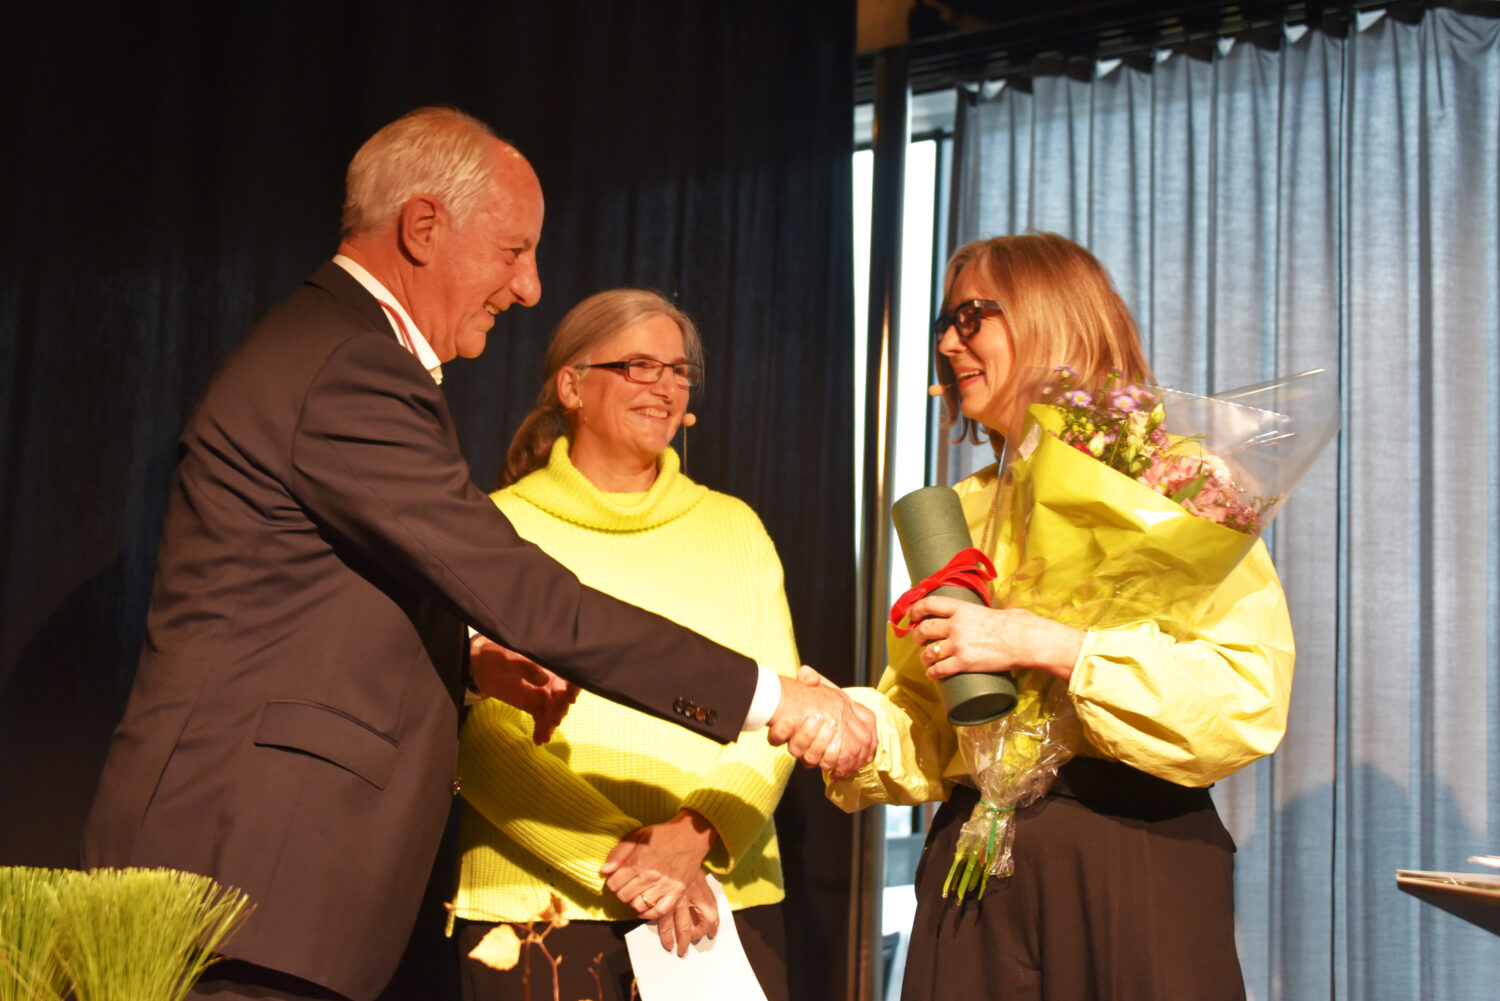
648,371
965,317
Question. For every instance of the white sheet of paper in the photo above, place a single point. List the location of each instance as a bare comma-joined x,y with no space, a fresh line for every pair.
716,966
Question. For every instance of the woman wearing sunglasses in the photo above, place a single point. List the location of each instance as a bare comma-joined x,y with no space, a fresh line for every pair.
1123,874
621,815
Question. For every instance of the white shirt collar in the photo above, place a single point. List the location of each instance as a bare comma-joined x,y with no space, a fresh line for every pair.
418,344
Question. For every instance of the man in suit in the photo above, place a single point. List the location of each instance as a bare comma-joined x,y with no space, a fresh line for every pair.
292,727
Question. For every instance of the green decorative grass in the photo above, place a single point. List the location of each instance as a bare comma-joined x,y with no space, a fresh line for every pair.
111,934
29,968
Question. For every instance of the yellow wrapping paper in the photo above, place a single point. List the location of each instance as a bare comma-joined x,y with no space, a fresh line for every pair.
1087,546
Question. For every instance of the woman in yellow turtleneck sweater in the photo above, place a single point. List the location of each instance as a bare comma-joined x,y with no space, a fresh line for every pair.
620,814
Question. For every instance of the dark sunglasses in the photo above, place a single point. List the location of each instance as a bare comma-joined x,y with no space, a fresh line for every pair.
965,317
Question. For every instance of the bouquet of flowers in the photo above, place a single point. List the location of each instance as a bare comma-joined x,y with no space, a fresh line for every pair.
1126,504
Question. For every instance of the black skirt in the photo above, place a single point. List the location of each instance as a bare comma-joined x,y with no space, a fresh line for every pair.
1123,891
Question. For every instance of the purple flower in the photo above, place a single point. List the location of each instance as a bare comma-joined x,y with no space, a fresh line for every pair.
1124,402
1076,398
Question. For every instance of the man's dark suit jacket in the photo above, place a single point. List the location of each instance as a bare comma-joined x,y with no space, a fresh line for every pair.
293,726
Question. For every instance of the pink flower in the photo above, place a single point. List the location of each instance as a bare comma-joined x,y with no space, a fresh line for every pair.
1123,429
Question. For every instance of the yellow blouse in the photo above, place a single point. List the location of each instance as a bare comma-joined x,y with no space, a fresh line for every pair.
1190,712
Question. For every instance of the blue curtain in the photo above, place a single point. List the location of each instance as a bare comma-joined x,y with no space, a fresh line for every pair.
1321,200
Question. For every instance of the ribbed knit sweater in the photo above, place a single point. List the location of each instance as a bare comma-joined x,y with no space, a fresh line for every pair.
543,819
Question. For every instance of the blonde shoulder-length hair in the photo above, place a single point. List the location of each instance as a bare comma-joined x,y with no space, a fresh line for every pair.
1060,308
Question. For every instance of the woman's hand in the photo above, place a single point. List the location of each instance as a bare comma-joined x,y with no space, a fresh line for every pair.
959,637
696,918
651,867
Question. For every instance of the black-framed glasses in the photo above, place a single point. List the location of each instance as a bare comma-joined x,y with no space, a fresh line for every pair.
965,317
648,371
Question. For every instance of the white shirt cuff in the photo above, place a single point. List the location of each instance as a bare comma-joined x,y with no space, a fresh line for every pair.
767,698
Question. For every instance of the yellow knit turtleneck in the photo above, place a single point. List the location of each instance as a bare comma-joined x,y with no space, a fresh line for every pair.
543,819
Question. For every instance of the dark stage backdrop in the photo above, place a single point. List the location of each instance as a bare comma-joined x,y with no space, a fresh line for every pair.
174,170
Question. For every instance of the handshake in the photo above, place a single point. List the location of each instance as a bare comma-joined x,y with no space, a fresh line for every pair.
820,725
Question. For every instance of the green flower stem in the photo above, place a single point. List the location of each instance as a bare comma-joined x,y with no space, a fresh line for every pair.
976,853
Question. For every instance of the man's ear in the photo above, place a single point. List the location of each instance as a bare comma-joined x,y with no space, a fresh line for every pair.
422,218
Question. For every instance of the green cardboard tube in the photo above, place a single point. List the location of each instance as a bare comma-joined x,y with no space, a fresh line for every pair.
931,526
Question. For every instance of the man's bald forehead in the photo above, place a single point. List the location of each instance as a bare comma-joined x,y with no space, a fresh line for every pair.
512,169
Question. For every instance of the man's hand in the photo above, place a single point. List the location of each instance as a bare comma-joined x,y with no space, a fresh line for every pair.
652,867
696,918
501,673
821,726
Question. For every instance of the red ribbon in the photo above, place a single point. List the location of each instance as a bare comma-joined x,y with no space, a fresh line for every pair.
969,568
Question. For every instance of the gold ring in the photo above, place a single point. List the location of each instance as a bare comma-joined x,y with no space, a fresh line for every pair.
646,903
937,652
